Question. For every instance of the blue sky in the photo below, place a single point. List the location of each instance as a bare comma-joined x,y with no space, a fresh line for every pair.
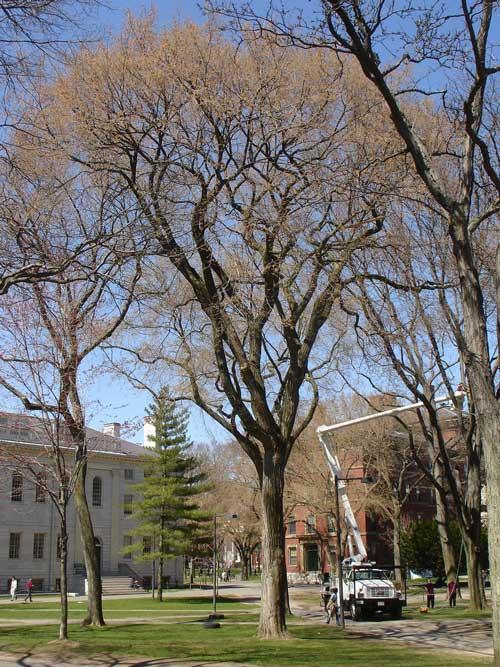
114,400
168,10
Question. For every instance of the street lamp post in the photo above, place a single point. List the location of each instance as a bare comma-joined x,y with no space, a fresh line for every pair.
339,555
340,575
214,573
214,615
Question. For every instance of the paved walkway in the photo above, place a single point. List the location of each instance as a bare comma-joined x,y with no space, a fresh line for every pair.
472,636
464,635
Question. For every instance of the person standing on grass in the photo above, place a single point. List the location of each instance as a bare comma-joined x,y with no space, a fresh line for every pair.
29,589
325,596
332,606
429,587
13,589
452,593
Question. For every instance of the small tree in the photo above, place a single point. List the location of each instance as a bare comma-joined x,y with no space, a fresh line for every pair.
168,514
420,547
49,467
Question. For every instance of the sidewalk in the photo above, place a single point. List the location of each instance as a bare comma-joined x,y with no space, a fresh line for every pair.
250,589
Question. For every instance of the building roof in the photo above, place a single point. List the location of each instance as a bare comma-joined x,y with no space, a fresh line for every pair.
28,430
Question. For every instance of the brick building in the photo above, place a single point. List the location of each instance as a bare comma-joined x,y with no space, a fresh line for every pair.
310,534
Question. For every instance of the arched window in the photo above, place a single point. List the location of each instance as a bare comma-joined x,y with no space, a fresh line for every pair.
16,494
310,525
40,488
97,492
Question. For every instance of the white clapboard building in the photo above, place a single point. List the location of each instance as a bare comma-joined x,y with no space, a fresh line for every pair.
29,524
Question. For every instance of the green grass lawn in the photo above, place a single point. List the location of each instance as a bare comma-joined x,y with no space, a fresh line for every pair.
442,611
126,607
310,645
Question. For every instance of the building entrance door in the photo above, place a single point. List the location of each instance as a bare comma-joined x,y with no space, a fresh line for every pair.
312,558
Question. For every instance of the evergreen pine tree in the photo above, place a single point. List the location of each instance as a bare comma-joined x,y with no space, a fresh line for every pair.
167,511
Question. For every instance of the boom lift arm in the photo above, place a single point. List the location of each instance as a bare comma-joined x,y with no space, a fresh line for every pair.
323,433
337,476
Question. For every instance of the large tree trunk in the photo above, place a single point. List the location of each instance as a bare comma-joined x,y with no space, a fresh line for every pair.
245,565
396,543
92,565
443,525
63,573
476,592
490,430
472,532
274,586
484,401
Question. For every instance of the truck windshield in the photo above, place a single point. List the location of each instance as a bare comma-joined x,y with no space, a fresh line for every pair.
363,575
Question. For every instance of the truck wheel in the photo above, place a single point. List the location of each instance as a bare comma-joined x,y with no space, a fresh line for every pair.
356,613
396,614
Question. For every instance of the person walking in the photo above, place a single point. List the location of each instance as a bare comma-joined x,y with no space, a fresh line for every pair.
29,589
13,589
325,596
452,593
429,587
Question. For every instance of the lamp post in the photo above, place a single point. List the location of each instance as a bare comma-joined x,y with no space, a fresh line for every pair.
365,480
339,555
214,615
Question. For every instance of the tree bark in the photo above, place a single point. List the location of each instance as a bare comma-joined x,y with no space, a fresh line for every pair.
485,402
63,573
92,565
396,543
245,560
160,576
476,592
274,584
490,431
443,525
471,532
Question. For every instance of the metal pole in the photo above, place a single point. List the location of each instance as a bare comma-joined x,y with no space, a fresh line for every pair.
214,592
340,594
386,413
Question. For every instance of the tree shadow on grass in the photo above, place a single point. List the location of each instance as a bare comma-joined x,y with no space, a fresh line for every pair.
104,660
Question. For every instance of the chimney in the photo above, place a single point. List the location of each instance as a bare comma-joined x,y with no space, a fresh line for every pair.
149,430
113,428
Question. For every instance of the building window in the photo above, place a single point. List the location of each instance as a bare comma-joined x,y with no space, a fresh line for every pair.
40,492
14,545
292,526
146,545
127,543
330,523
97,492
310,524
16,494
292,555
38,545
129,473
127,503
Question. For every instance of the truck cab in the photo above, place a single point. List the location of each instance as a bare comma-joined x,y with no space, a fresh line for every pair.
369,591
